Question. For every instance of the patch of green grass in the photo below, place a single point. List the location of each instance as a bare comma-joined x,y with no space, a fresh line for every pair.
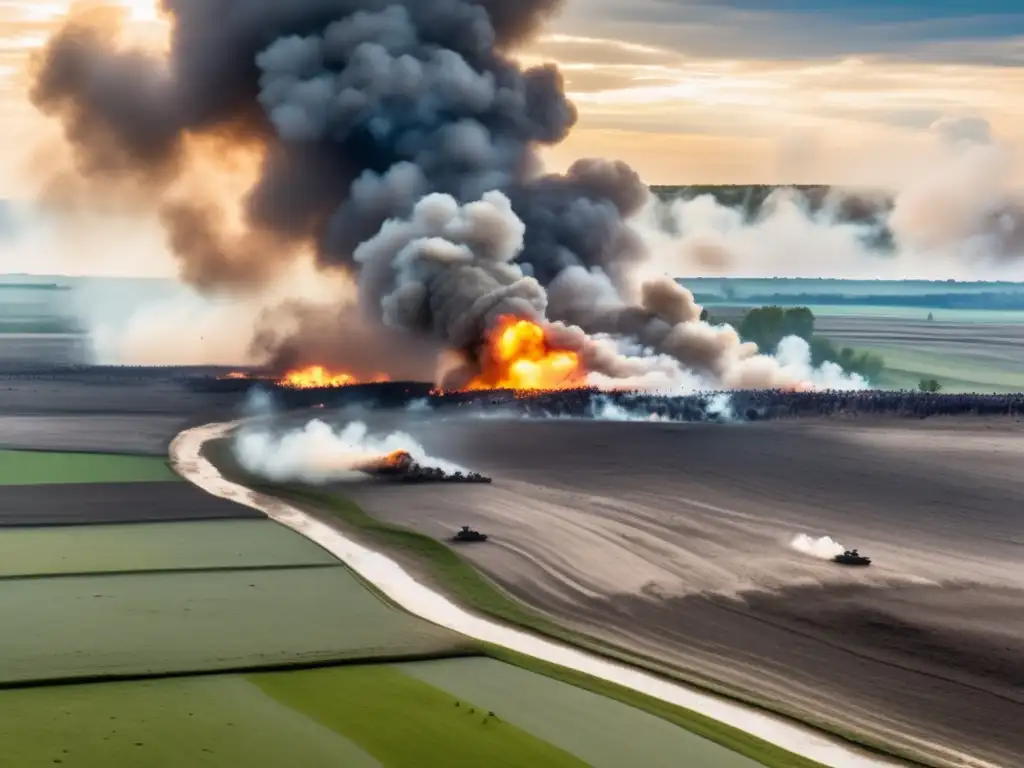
904,369
404,722
455,577
595,727
61,628
51,468
209,544
197,722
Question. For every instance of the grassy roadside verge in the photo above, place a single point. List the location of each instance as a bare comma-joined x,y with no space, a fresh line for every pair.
456,578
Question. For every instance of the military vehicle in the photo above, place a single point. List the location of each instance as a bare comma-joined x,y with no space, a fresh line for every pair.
467,534
395,464
399,465
852,557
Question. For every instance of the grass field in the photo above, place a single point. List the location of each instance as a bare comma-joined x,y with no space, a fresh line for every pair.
905,367
398,716
586,724
49,468
404,722
140,624
979,316
213,544
199,722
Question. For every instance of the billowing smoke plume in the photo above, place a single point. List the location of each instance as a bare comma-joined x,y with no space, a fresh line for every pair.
822,547
397,139
319,454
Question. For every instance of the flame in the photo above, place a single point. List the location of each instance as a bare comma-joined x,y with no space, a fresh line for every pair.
519,356
234,375
317,376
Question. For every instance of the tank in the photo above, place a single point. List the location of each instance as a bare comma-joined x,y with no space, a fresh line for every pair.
395,464
399,465
852,557
467,534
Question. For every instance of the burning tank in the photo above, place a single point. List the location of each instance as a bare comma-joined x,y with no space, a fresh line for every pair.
400,466
394,464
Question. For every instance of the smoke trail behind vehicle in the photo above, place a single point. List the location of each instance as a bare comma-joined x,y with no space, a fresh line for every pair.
318,453
822,547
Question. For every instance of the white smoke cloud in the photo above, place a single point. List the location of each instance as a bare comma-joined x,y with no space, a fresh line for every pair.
705,237
318,454
258,403
605,409
822,547
720,406
962,218
183,327
794,354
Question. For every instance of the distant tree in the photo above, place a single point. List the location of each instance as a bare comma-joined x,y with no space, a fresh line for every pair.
930,317
798,321
704,315
929,385
767,326
867,364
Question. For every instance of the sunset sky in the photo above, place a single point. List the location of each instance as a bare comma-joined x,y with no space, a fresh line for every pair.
721,91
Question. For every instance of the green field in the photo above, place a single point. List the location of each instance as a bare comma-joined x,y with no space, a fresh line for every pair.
586,724
979,316
211,544
140,624
50,468
404,722
468,713
366,715
196,722
906,366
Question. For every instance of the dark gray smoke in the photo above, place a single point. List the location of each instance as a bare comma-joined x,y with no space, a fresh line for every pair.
398,137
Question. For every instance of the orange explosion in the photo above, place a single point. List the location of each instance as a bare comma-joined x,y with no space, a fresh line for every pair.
519,357
317,376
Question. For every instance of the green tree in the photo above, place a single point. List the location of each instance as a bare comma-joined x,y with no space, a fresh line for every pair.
929,385
798,321
767,326
867,364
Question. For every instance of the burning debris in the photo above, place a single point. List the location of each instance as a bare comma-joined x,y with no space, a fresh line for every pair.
400,465
318,377
309,377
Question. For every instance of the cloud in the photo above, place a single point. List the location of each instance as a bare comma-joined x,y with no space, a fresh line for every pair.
801,29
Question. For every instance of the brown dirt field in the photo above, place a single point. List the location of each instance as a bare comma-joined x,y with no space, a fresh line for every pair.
673,540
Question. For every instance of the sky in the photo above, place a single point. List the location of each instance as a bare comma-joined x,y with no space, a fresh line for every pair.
716,91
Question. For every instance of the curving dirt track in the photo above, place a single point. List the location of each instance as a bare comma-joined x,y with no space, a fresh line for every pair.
647,534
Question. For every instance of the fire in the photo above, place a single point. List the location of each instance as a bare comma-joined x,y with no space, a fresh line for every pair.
317,377
234,375
519,356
